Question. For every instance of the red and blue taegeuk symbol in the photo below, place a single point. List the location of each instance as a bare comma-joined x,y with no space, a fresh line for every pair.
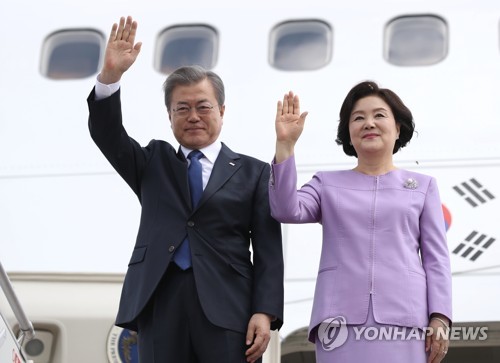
447,217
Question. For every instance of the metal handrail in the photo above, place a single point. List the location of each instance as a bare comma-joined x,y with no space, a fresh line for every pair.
26,327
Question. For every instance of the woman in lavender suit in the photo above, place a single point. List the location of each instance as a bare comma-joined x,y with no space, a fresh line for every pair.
383,290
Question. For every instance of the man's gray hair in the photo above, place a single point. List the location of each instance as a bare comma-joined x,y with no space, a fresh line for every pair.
189,75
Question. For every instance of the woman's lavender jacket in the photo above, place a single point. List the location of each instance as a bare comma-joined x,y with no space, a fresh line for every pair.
383,236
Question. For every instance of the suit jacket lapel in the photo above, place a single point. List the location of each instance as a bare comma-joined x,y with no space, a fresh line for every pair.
227,163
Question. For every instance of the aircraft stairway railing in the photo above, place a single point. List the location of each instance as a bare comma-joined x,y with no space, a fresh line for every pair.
26,330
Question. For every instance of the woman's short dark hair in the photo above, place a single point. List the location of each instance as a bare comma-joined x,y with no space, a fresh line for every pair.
401,113
189,75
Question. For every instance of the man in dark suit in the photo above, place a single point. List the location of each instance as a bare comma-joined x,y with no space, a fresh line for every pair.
193,292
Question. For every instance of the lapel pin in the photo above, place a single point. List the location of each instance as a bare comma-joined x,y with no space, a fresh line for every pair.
231,163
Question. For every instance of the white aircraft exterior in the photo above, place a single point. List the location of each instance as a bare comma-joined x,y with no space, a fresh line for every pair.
68,222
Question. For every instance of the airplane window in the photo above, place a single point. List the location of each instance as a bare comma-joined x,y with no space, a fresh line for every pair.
185,45
416,40
71,54
301,45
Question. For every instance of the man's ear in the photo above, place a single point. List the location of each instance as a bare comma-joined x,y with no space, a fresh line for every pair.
222,109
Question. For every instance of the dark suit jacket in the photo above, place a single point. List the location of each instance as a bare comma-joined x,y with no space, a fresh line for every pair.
232,214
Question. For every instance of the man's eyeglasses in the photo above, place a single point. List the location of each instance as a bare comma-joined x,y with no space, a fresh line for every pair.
203,109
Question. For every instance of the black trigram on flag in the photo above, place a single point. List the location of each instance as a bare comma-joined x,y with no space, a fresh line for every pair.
475,245
473,192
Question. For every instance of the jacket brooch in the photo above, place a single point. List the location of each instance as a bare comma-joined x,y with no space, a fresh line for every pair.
410,183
